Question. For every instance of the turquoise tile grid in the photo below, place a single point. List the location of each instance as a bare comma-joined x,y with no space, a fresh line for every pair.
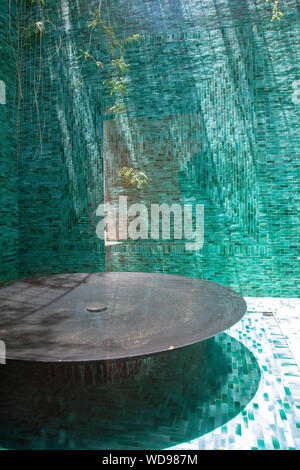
272,419
9,230
210,96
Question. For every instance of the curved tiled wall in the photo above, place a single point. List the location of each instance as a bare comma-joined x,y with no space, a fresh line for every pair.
8,149
210,118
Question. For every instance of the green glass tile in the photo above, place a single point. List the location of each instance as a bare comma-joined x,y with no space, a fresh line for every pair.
282,414
275,442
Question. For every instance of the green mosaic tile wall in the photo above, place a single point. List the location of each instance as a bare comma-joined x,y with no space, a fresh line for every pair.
61,180
219,91
8,153
210,118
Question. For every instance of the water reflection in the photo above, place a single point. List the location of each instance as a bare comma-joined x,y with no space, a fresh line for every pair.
188,393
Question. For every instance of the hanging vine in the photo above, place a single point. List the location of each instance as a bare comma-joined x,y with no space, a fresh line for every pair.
35,24
276,13
115,73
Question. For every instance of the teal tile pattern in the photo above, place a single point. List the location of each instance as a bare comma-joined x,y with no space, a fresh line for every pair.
211,120
60,181
210,117
271,420
8,148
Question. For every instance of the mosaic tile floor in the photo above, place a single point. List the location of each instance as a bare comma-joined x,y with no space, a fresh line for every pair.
271,420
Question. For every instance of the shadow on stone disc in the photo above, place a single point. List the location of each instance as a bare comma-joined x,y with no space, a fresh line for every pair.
188,393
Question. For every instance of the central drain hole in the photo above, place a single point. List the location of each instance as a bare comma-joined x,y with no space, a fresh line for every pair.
96,308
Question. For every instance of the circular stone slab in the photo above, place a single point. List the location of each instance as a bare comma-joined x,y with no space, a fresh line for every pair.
46,319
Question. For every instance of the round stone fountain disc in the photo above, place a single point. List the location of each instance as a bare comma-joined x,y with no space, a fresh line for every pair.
47,319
